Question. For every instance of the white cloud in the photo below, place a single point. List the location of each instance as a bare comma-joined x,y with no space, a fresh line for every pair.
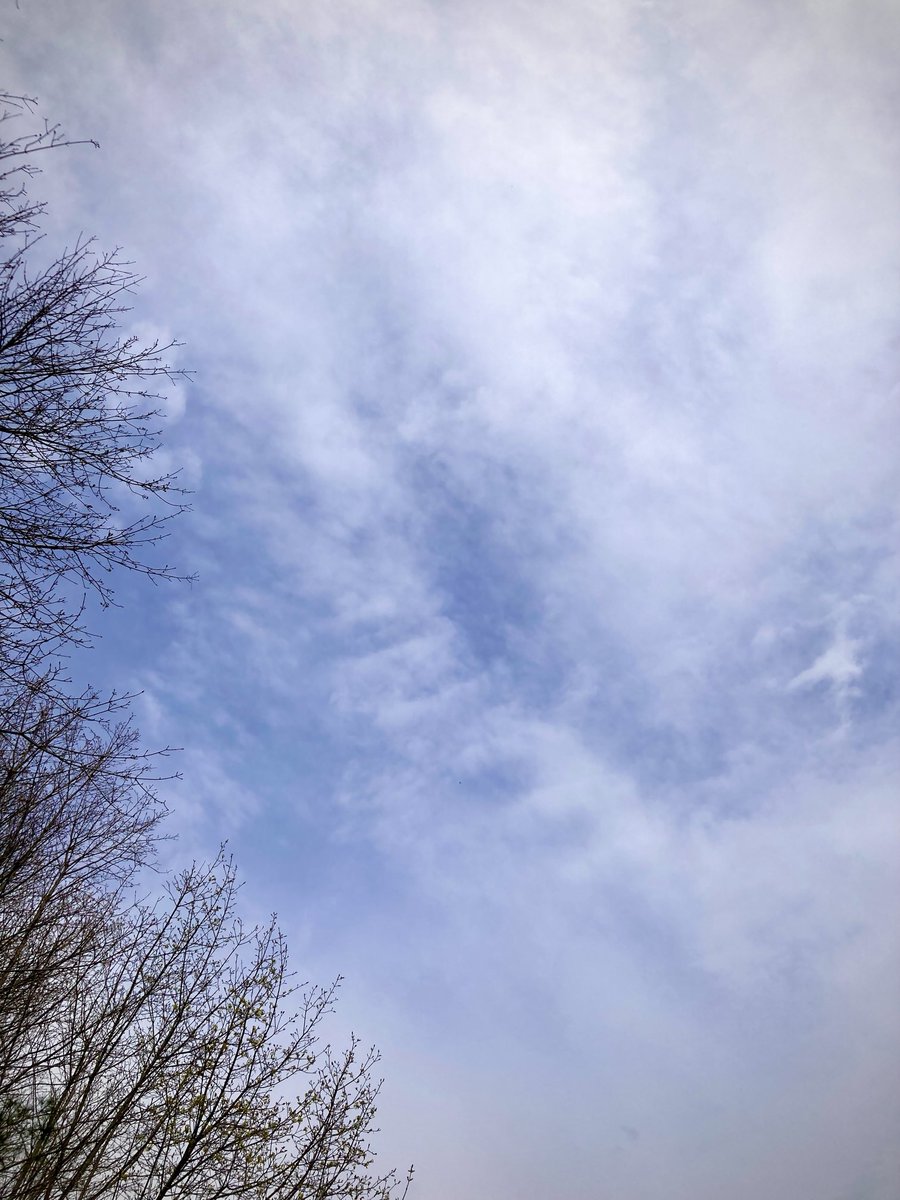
838,666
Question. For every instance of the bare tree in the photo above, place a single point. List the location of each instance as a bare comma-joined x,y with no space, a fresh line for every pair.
77,820
168,1067
78,424
149,1050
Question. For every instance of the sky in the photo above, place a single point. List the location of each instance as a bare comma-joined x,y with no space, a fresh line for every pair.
542,665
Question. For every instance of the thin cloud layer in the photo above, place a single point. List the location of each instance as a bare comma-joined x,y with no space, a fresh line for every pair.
543,666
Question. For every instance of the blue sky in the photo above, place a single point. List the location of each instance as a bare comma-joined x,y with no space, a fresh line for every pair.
542,664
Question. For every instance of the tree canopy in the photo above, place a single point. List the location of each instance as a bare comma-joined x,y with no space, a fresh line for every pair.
151,1044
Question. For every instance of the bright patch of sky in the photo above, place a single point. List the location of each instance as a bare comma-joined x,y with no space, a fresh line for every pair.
543,663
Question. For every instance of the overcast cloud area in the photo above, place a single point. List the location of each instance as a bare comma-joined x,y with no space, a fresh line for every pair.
542,669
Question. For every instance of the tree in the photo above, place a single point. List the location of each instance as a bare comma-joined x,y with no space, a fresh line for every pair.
149,1048
78,424
77,820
